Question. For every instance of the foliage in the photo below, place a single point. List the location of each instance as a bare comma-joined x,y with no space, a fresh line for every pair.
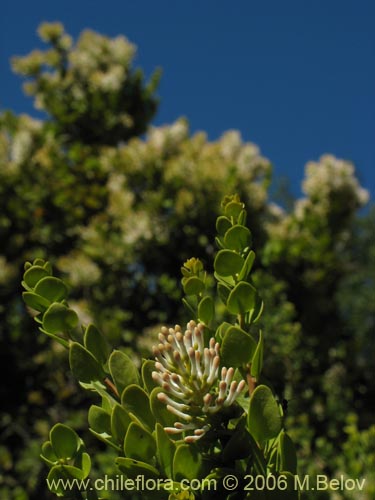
116,214
90,88
198,377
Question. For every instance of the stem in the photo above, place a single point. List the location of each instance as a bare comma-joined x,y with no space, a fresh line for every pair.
251,381
111,386
241,320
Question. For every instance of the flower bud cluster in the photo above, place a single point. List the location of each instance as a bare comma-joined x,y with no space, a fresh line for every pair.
189,373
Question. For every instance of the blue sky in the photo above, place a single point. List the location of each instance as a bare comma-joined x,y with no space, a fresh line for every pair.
296,77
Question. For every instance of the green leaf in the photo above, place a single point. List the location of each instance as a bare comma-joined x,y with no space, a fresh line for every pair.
55,475
248,265
148,366
58,339
136,401
99,420
219,241
139,443
260,466
120,422
64,441
233,209
187,463
242,218
107,400
96,344
242,298
193,285
237,238
165,450
221,330
74,472
83,364
48,267
189,307
123,370
257,361
159,409
223,224
48,455
34,274
35,301
83,462
228,263
237,347
264,419
133,468
108,440
287,454
256,313
239,446
39,262
52,289
59,318
223,292
206,310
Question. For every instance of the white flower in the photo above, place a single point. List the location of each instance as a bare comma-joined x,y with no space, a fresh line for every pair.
189,373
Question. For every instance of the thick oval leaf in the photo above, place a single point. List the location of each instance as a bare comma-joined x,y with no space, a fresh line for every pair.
74,472
55,479
83,462
48,455
223,292
96,344
64,441
206,310
239,446
242,218
108,440
237,347
219,240
99,420
221,330
242,298
136,401
287,454
52,289
256,313
165,450
264,419
193,285
133,468
39,262
233,209
35,301
246,269
187,463
123,370
34,274
257,361
83,364
139,443
120,422
228,263
223,224
159,409
148,366
237,238
58,318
